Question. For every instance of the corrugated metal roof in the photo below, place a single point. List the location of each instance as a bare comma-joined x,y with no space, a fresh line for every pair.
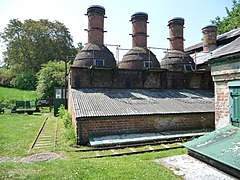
117,102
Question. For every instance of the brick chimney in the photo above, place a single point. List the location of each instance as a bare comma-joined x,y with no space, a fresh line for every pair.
95,53
209,38
176,59
139,29
95,30
176,33
139,57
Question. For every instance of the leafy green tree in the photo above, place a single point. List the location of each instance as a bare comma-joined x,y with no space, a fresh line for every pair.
5,77
25,81
232,21
51,75
31,43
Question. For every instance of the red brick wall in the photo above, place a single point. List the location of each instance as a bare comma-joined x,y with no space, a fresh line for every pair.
142,124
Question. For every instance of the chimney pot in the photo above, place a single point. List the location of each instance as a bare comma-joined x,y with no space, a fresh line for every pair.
176,33
139,29
95,15
209,37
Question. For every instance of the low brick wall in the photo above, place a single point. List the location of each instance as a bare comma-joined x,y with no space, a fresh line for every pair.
99,126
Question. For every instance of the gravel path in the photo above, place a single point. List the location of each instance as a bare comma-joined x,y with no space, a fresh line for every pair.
192,169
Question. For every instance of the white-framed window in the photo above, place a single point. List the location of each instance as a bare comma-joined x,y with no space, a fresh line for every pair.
147,64
58,94
99,63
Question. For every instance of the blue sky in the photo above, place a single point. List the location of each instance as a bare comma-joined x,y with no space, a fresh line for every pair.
197,14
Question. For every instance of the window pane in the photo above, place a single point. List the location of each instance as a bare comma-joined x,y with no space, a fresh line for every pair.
99,63
58,94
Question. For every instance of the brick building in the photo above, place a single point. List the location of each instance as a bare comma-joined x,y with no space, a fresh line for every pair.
225,67
220,148
139,96
220,55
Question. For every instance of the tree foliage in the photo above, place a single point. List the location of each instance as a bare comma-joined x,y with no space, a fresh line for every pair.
25,81
5,77
232,21
32,43
51,75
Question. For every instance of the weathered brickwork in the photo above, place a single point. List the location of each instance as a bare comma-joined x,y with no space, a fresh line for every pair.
95,25
98,126
139,34
209,38
176,34
222,74
130,78
221,104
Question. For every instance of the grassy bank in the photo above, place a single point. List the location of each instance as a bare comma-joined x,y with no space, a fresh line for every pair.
8,96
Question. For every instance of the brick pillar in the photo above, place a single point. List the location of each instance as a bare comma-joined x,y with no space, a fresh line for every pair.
139,29
209,37
95,24
176,33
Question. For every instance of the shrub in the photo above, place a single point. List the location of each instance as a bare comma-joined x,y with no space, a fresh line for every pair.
51,75
25,81
64,115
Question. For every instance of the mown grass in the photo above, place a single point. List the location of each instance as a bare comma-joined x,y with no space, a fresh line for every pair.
8,96
124,167
19,132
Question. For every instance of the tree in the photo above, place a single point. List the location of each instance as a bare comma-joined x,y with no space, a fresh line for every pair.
32,43
232,21
25,80
51,75
5,77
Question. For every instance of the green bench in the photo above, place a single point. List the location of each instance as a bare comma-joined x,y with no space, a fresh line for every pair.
24,107
23,104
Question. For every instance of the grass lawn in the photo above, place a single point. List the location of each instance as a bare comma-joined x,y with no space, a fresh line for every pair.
17,132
